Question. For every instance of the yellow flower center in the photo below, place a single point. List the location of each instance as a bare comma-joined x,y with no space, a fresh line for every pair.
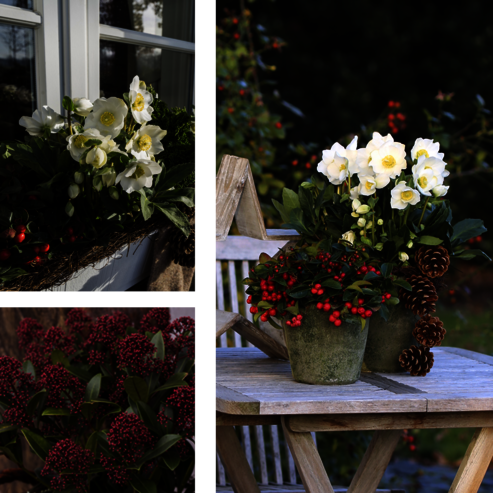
423,181
388,161
138,173
368,185
107,118
144,143
422,152
407,195
139,103
80,140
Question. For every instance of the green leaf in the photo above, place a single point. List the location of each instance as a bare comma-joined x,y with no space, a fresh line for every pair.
93,388
386,269
38,444
469,254
370,276
143,485
176,217
177,174
176,380
5,428
429,240
290,200
330,283
92,142
34,401
92,442
58,356
146,207
393,300
162,445
68,104
274,324
148,416
158,341
403,284
466,229
137,389
282,211
171,460
355,287
28,367
52,411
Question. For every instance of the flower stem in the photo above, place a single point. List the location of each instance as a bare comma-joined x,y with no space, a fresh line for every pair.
423,213
69,118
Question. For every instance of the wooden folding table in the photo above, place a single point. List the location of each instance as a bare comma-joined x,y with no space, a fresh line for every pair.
253,389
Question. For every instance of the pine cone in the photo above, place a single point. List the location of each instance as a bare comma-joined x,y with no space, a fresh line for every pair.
432,261
418,361
422,298
429,331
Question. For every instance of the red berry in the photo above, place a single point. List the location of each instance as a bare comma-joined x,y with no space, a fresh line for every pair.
326,307
361,310
37,259
317,286
4,254
397,104
320,292
237,36
400,116
295,162
478,238
253,309
391,104
231,110
278,125
36,249
249,300
299,317
412,448
337,322
20,229
354,310
349,305
70,231
71,239
390,116
235,21
221,88
20,238
332,318
336,314
314,291
368,313
360,301
272,312
388,296
320,306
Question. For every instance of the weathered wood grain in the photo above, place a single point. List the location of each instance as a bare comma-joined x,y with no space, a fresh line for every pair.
230,182
484,358
245,248
475,463
293,488
389,421
387,384
224,321
234,461
223,419
230,402
308,462
375,461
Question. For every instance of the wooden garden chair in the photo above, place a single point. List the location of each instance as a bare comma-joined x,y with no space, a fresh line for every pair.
265,449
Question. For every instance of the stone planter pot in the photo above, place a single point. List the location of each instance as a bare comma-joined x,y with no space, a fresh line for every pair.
323,354
386,340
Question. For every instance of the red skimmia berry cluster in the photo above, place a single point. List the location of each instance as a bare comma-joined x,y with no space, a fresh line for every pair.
68,457
136,353
396,119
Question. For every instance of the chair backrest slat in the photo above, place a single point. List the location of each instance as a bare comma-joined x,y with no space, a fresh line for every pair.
221,473
233,293
247,444
276,453
259,435
245,269
223,340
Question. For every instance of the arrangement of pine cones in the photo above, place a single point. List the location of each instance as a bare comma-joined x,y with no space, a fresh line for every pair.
418,361
432,262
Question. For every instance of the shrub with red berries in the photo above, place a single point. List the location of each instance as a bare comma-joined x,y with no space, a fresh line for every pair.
343,283
108,404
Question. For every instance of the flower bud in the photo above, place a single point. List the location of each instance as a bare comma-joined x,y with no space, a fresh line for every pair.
362,232
82,106
379,247
73,190
78,177
349,236
363,209
97,157
403,256
440,190
369,225
380,222
409,244
356,204
361,222
69,209
354,214
113,193
109,178
97,183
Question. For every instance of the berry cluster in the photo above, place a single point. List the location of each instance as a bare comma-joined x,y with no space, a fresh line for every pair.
136,353
396,119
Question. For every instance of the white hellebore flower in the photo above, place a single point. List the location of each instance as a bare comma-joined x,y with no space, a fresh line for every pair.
427,148
389,160
108,116
349,236
44,120
361,222
402,195
82,106
363,209
148,139
337,162
139,174
76,142
363,156
369,183
428,174
97,157
440,190
403,256
140,101
354,192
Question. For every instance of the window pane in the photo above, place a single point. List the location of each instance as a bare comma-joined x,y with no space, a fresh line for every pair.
23,4
17,83
169,18
170,73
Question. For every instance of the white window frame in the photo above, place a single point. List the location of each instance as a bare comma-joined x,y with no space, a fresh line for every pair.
67,35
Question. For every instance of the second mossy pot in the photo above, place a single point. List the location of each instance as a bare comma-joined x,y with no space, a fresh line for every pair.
323,354
387,340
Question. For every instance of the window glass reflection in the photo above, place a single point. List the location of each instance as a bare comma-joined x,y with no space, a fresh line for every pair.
170,73
17,82
169,18
23,4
